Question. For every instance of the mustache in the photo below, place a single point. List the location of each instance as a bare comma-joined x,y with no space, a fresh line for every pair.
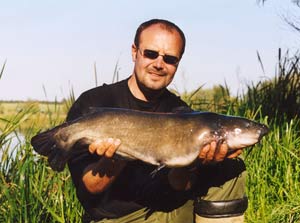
157,72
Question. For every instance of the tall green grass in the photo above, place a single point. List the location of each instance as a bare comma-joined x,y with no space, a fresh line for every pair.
216,99
274,181
29,190
279,97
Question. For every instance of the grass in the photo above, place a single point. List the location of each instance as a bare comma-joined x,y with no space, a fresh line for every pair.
279,98
273,179
29,190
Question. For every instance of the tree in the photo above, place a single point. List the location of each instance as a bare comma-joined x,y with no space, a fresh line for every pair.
297,2
291,20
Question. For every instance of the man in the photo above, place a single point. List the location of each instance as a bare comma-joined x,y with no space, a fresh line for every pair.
114,190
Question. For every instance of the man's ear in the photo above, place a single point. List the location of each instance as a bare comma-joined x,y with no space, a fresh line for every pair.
134,51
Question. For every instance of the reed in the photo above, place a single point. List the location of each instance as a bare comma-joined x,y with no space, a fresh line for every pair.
2,69
273,180
279,97
29,190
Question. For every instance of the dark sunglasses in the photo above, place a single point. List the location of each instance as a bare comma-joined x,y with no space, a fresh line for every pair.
152,54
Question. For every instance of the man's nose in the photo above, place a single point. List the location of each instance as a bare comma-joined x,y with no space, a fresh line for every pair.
159,62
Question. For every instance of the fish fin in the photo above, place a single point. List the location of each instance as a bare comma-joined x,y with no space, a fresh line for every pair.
44,144
92,110
154,172
182,109
57,159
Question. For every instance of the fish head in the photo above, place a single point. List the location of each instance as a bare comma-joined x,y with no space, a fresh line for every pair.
240,132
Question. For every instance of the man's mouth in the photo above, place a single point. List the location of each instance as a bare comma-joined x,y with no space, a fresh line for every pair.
156,74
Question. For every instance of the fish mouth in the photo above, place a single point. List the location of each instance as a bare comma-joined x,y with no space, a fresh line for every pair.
246,138
264,130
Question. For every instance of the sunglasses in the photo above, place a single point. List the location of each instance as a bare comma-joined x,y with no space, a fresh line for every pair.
152,54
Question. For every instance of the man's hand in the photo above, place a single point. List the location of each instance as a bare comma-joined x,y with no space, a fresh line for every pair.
106,147
99,175
214,153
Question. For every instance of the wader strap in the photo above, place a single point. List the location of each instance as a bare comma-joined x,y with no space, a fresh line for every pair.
220,209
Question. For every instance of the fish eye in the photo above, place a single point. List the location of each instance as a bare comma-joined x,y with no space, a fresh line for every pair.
237,131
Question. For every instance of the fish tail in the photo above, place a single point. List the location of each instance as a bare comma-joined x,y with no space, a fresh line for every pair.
45,144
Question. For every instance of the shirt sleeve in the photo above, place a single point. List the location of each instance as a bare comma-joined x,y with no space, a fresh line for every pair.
76,109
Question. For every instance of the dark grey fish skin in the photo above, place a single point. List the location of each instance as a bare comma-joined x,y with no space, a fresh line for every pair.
169,139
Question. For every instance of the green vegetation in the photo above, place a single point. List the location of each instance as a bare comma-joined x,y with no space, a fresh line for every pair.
217,99
273,180
43,114
31,192
278,98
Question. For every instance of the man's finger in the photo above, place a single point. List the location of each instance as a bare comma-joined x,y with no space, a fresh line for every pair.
203,152
93,146
235,154
112,148
101,149
221,153
211,153
101,146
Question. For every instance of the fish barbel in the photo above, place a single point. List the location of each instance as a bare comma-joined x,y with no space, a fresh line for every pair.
168,139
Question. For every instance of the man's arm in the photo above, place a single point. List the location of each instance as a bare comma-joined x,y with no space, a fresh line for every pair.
98,176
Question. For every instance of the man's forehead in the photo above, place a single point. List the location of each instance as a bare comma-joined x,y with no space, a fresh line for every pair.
160,36
156,31
159,28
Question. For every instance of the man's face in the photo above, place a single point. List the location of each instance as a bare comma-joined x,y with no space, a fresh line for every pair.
156,74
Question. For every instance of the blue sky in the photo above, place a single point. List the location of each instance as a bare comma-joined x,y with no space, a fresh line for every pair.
55,44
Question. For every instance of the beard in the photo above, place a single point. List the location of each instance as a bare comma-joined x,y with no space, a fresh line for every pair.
151,89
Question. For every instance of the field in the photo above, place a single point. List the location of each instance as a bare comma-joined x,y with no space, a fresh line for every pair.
31,192
44,114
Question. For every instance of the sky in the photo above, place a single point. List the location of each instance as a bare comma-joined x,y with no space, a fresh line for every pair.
51,46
